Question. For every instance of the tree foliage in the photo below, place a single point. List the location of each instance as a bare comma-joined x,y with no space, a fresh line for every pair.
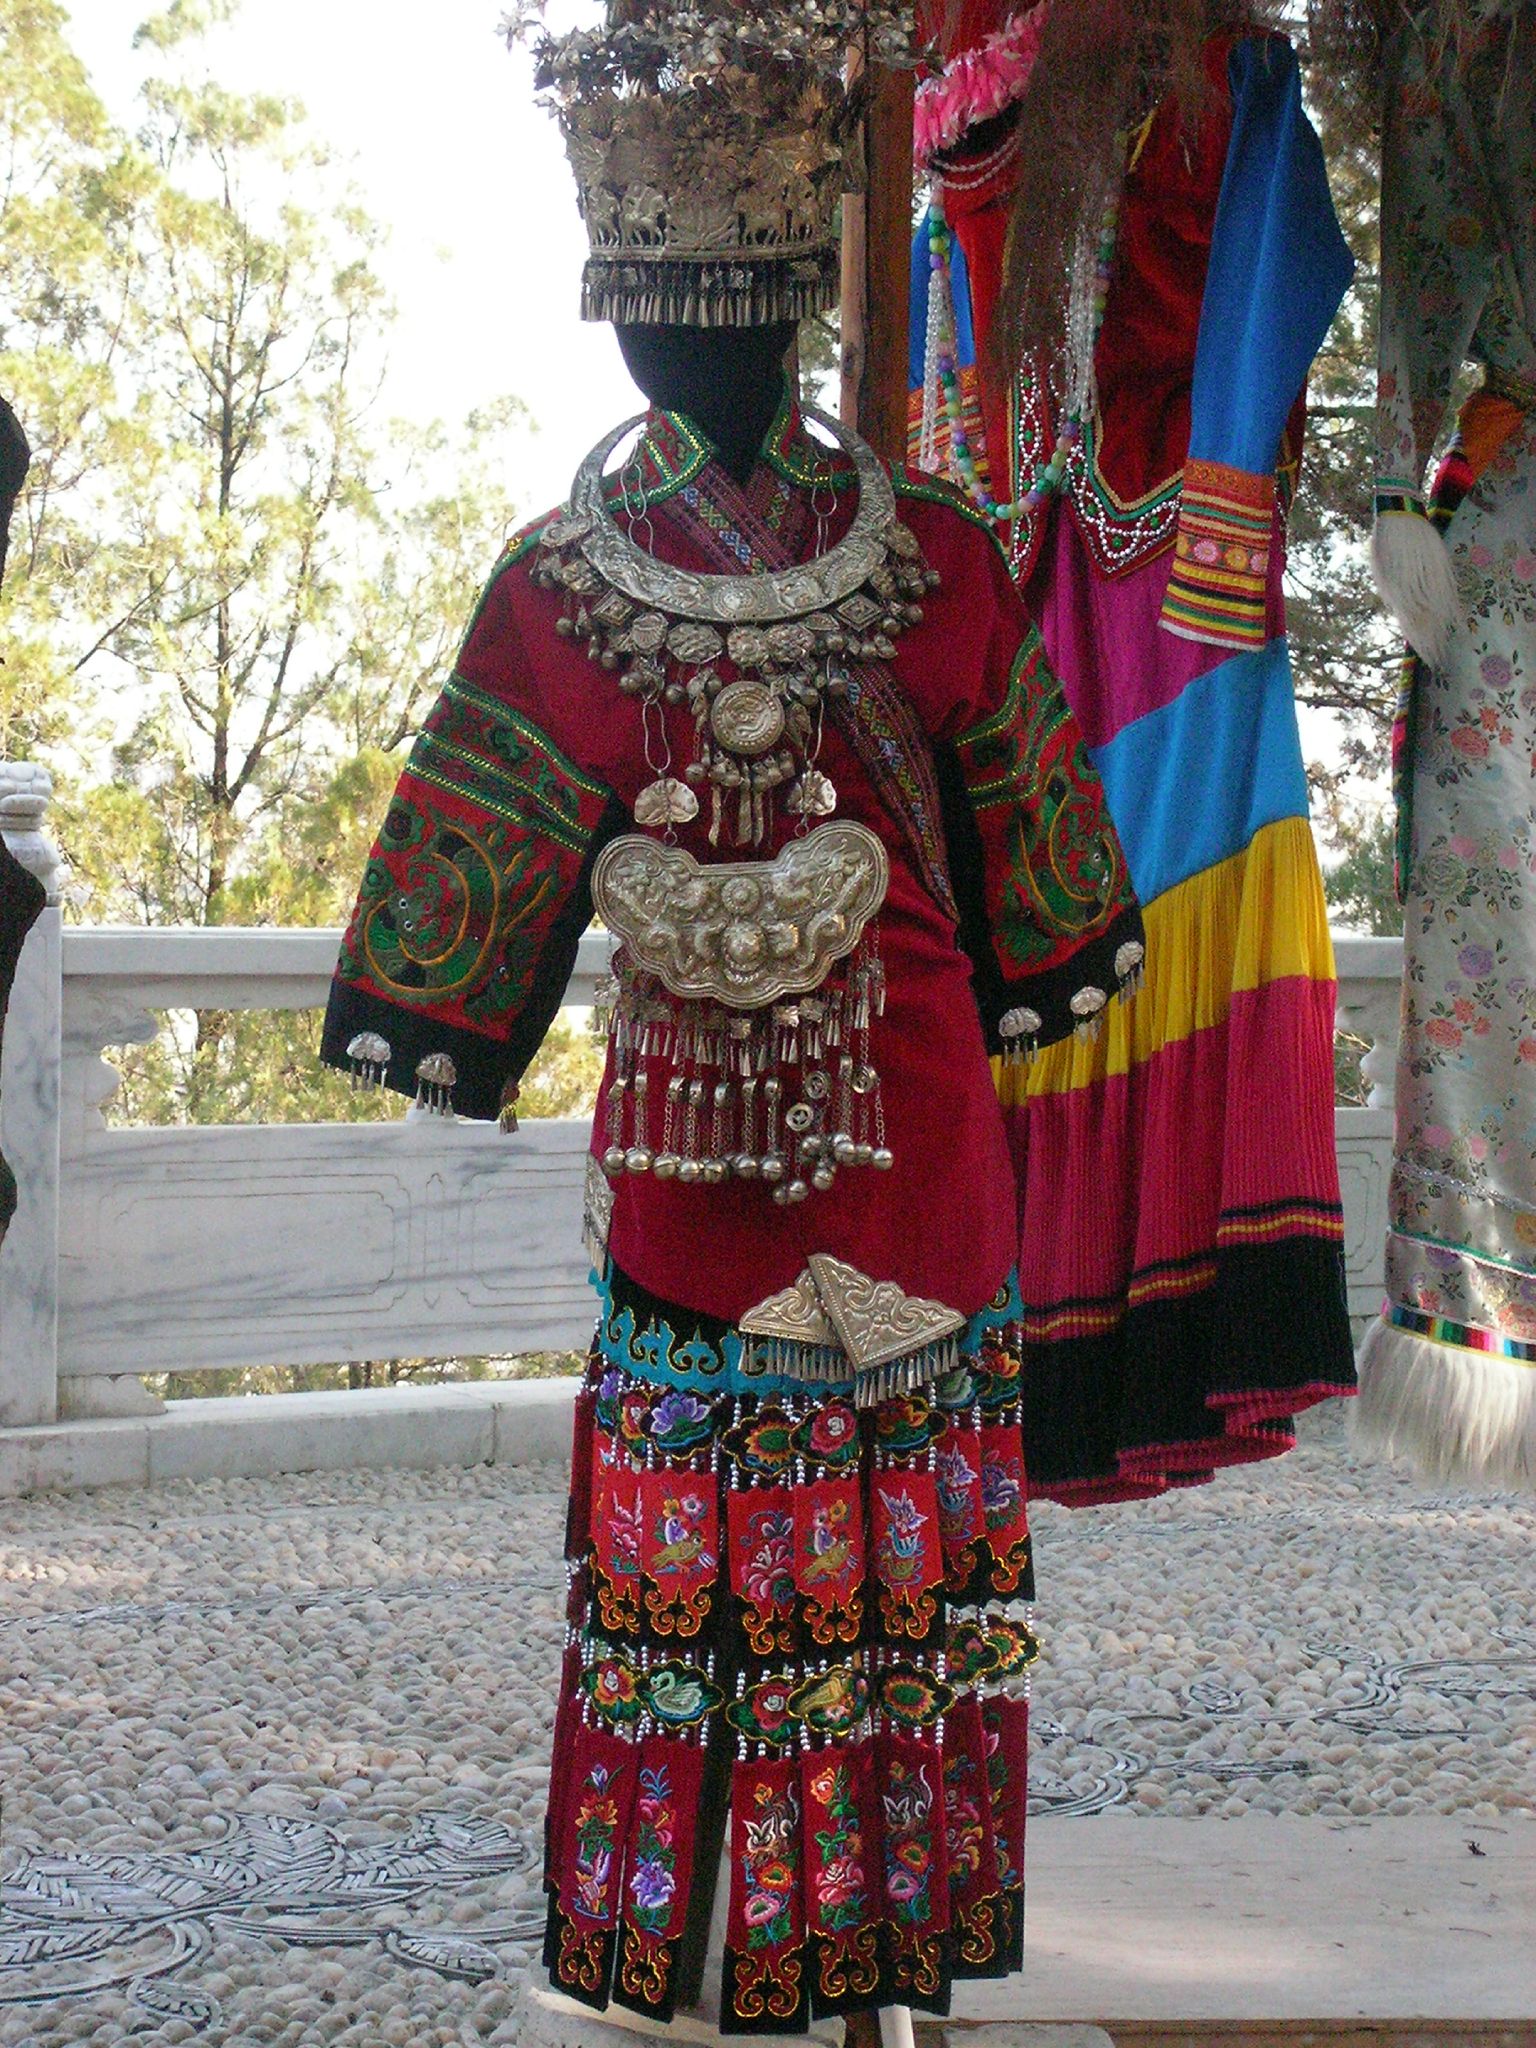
233,587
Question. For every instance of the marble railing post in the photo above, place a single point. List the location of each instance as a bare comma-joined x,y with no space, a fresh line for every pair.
1370,993
29,1119
1369,1005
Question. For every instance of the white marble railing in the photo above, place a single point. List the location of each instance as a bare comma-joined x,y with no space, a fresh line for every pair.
194,1248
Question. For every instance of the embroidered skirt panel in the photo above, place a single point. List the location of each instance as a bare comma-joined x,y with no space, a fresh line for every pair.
799,1632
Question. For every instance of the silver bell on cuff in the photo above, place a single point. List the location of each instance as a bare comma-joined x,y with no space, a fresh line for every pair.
435,1078
369,1056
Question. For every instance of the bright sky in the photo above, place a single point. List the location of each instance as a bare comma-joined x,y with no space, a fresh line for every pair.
436,121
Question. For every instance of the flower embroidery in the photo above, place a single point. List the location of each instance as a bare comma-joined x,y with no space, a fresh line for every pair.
653,1872
832,1435
908,1804
768,1866
597,1820
623,1527
901,1543
840,1880
679,1421
613,1686
1002,1489
768,1570
763,1443
763,1711
956,1476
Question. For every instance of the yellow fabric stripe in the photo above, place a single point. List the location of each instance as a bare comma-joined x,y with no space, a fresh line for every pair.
1223,590
1257,917
1281,1223
1216,510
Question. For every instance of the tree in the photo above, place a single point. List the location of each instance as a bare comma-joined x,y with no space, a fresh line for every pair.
1345,651
229,583
72,193
1361,886
225,579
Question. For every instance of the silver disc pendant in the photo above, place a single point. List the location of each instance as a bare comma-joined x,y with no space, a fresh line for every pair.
667,802
813,796
746,718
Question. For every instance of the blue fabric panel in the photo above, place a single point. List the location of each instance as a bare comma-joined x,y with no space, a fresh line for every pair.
1190,784
917,311
1279,266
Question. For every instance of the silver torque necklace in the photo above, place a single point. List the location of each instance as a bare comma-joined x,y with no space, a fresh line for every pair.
789,633
729,600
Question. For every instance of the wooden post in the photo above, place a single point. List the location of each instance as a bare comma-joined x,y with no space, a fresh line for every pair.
877,241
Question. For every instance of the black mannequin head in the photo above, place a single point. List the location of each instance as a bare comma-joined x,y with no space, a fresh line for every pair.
728,380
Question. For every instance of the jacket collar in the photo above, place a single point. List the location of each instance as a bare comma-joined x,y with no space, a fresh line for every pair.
673,452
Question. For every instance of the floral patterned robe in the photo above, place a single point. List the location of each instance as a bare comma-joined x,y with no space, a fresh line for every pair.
1448,1373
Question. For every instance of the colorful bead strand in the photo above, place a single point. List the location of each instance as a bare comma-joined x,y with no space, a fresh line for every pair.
1049,478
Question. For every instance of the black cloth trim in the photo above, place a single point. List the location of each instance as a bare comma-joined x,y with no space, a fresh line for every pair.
1275,1321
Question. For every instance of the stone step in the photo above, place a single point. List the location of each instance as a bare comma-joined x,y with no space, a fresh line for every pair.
474,1422
1239,2034
1424,1922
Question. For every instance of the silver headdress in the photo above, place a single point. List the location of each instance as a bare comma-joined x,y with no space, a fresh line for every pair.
710,148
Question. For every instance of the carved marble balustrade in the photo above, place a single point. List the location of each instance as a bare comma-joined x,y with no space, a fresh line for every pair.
192,1249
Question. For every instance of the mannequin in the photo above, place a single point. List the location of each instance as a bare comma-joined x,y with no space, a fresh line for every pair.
728,381
725,379
774,710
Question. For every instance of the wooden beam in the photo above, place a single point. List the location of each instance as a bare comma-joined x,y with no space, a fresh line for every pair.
877,240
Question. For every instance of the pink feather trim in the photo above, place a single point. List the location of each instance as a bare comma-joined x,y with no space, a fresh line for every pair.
975,85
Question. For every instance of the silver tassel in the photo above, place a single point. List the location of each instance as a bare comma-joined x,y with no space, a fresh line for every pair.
369,1055
435,1078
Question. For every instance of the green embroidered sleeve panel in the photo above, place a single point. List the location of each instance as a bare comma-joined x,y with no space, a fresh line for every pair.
1048,916
473,901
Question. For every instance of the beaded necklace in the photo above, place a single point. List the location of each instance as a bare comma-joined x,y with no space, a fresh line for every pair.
1090,295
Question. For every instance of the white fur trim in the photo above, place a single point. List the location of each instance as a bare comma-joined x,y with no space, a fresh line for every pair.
1415,581
1458,1415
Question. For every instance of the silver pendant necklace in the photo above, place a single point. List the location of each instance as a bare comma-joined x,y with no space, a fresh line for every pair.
788,633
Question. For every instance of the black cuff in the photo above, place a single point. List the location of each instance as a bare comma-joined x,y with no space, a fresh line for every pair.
480,1063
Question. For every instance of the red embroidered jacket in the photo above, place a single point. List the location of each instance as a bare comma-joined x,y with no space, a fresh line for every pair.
1007,886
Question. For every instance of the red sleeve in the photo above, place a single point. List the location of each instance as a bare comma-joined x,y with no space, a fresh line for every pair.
475,894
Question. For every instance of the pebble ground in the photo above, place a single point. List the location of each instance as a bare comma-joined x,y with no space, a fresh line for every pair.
272,1752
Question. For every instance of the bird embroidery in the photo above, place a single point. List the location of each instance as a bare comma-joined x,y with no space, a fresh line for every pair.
829,1540
680,1537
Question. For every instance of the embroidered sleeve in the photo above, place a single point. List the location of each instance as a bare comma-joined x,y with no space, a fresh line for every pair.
1047,912
1278,268
472,905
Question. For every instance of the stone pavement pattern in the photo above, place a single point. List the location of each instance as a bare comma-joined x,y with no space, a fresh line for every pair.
272,1752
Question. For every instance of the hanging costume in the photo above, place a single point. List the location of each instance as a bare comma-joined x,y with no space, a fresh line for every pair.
1448,1374
798,741
1195,1300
